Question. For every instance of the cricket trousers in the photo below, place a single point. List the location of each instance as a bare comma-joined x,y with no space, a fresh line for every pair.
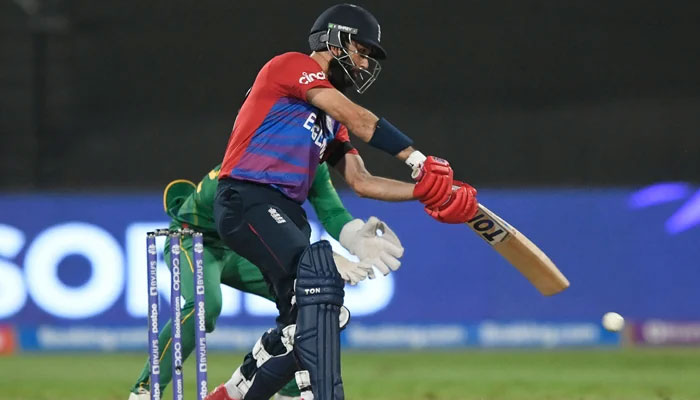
272,231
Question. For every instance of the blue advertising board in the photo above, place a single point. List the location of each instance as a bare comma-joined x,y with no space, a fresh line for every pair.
79,260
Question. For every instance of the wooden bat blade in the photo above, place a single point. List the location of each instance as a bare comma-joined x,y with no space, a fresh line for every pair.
520,252
509,243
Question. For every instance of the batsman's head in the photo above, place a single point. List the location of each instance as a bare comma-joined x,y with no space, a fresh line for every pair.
352,35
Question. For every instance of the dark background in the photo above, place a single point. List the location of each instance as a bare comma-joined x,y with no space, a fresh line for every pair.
130,95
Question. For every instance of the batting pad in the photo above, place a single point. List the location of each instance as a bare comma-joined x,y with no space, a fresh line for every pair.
319,296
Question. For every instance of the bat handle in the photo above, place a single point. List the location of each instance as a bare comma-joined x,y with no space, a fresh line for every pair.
417,174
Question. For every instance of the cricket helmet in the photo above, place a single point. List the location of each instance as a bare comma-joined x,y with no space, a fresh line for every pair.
339,25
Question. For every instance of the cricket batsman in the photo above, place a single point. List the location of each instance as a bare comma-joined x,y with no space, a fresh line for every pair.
191,206
294,118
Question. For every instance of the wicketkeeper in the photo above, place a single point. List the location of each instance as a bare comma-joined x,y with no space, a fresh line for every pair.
190,205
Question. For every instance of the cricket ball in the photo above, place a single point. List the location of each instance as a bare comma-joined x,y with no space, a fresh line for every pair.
613,321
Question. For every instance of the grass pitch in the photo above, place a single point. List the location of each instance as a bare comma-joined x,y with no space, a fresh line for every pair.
629,374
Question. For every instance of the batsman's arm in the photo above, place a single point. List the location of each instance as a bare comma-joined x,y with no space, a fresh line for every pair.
327,204
353,170
359,120
434,176
363,123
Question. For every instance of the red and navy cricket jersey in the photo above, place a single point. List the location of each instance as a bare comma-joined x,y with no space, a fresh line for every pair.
279,138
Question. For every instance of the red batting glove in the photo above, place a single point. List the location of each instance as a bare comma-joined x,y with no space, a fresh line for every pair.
434,185
460,208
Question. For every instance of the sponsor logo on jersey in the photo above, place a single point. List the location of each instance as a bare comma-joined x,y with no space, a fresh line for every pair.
307,78
276,216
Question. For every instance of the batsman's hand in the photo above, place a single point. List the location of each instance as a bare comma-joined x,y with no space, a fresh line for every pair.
434,182
382,249
460,208
352,272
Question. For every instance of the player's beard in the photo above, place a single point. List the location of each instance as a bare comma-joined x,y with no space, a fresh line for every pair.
338,77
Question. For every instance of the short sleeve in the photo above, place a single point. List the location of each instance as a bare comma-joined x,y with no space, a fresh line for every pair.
295,73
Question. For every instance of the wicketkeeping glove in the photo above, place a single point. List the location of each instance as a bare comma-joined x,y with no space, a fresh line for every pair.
362,239
352,272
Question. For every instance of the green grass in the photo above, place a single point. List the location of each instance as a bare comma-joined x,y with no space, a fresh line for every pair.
632,374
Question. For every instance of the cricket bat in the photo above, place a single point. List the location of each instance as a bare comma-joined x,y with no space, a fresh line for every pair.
515,247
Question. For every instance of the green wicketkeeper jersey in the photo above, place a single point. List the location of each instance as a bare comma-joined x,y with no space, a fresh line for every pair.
197,209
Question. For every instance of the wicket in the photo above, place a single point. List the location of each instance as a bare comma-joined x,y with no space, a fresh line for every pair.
175,312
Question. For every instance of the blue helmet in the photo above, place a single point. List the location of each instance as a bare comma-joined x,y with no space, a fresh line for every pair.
350,19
